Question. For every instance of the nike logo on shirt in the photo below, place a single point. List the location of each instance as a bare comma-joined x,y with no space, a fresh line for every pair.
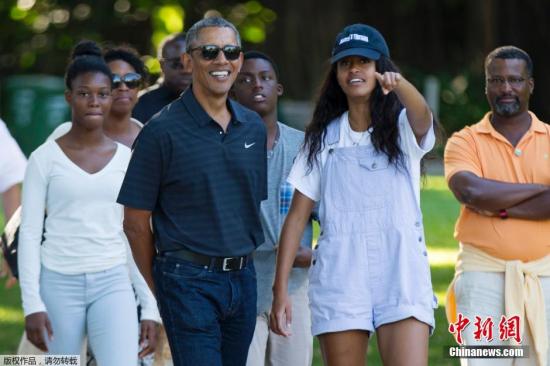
246,146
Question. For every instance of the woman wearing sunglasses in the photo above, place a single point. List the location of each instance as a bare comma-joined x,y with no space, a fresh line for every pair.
72,252
129,75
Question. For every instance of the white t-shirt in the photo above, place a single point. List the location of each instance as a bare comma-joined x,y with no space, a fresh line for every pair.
83,229
308,182
12,160
65,127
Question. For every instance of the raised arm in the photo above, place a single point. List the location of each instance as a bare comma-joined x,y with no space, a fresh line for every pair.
418,112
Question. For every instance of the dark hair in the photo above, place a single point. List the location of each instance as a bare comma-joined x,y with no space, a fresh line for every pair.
250,55
85,57
129,55
170,40
332,102
510,52
217,22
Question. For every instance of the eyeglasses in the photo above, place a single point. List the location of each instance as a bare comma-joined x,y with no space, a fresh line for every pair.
210,52
132,80
173,63
513,81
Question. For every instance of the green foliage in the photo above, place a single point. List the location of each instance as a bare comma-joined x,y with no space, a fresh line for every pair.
167,19
462,98
37,35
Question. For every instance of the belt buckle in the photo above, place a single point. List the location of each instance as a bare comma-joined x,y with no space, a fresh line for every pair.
226,262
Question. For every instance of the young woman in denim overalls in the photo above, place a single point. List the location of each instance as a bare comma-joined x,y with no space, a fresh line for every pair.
361,160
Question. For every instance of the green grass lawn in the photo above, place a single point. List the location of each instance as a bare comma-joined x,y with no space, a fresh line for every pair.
440,211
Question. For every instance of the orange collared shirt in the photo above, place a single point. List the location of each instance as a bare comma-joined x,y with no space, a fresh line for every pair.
482,150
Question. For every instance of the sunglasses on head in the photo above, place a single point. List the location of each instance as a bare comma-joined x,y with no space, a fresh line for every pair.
210,51
173,63
132,80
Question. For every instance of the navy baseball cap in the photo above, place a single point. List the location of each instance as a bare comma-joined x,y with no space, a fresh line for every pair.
359,40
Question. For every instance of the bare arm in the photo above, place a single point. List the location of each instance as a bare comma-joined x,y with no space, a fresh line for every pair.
293,229
11,199
150,318
303,257
535,208
418,112
491,195
140,237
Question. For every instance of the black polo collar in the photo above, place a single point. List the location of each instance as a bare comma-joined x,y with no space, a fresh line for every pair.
199,114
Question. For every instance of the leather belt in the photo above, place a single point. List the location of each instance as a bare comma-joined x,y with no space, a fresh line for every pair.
225,264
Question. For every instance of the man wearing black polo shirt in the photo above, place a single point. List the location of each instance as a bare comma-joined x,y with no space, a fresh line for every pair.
199,169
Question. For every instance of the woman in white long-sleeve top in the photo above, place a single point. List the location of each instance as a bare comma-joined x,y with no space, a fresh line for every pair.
129,73
72,252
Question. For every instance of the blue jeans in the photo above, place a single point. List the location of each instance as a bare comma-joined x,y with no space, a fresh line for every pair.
100,305
209,316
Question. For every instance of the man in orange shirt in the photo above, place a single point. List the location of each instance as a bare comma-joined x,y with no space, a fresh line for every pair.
499,170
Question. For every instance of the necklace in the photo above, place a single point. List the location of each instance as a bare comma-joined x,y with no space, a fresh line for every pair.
351,133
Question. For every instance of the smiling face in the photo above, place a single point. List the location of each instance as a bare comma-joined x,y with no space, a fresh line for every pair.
508,86
356,76
213,78
90,99
124,98
256,86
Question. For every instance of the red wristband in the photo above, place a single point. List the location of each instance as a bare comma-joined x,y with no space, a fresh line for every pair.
503,214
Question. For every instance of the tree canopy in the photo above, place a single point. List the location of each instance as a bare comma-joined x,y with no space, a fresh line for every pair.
445,38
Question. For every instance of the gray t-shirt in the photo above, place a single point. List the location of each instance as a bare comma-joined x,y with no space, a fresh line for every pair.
273,213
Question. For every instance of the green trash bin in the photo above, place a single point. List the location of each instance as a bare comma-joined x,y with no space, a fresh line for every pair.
32,106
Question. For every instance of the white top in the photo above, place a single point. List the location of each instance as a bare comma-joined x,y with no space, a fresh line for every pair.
146,298
309,182
65,127
83,227
12,160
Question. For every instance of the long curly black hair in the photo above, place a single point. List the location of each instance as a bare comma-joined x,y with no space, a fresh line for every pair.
332,102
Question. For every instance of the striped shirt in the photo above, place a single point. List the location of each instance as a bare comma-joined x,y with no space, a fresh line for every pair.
203,185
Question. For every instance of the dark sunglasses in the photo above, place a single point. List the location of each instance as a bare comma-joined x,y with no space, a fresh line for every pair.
132,80
210,52
173,63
